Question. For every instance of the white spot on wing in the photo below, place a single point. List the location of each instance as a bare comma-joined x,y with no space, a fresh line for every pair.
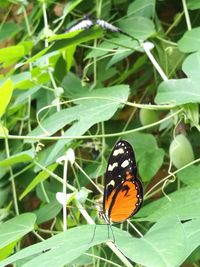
112,166
125,164
106,25
112,182
84,24
118,151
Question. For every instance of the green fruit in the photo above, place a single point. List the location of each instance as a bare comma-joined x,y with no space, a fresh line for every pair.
180,151
148,116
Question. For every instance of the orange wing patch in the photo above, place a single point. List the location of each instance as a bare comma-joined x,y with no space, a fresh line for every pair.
125,203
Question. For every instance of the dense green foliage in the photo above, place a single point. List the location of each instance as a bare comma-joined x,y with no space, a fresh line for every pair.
84,90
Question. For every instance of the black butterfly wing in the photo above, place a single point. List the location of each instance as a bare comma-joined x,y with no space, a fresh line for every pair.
123,192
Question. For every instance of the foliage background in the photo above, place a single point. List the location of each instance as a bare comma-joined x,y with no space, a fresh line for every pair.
85,90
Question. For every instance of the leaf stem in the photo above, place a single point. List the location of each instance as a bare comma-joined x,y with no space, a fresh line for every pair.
12,179
154,62
187,17
148,195
65,193
53,138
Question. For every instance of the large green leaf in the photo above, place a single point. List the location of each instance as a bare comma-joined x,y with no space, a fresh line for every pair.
166,244
162,246
190,175
62,248
182,91
178,92
150,163
139,27
190,42
149,156
184,203
16,228
83,116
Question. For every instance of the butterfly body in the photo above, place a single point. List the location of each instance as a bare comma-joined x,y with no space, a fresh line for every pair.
123,191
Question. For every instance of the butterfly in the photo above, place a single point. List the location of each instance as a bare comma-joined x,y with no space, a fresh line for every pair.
89,21
123,191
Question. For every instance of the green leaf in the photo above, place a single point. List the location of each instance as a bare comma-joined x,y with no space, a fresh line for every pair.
118,57
162,246
85,115
148,155
6,91
7,250
69,55
12,54
193,4
176,92
143,27
72,86
192,114
21,80
185,203
103,49
192,232
191,66
16,228
190,175
190,42
23,96
143,8
57,250
8,30
48,211
65,40
3,131
42,176
22,157
150,163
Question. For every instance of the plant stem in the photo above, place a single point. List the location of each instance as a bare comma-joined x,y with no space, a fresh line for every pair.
65,194
187,17
53,138
12,179
148,195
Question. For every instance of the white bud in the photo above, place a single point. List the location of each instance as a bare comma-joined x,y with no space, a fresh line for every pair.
70,155
64,199
148,45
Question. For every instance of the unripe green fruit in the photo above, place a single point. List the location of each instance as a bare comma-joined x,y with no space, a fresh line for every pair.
148,116
180,151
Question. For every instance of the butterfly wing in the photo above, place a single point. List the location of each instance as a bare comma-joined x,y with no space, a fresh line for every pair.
86,23
123,192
